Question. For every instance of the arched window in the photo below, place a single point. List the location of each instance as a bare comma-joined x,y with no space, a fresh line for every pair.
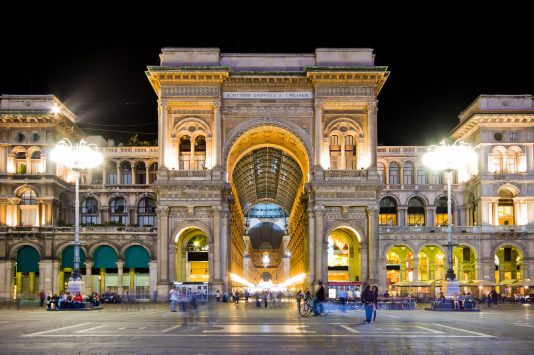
28,197
512,161
422,176
146,212
111,173
388,211
153,173
380,168
89,211
505,209
140,173
416,212
335,152
126,173
35,162
407,173
442,215
20,162
496,160
200,153
350,153
393,173
29,215
473,210
117,212
437,177
185,153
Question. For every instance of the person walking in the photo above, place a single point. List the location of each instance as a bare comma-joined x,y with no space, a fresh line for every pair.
319,299
375,301
343,296
367,299
174,298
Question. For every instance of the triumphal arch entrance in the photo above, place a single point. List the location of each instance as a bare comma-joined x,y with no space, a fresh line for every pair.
267,167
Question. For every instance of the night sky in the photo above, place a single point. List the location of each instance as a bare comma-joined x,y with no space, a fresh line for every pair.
95,63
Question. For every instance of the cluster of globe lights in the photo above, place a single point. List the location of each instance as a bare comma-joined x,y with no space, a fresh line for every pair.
450,157
77,156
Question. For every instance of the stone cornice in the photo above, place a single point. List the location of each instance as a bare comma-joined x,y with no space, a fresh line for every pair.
513,119
168,76
370,76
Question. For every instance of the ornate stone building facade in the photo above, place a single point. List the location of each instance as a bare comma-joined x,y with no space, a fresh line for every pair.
267,169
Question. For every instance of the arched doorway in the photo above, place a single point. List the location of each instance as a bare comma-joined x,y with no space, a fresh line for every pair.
105,273
27,271
67,266
192,256
464,263
508,265
267,167
137,280
432,263
344,255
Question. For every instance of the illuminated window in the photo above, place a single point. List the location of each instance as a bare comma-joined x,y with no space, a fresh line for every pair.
496,160
338,258
505,208
200,153
185,153
442,217
28,198
416,212
388,212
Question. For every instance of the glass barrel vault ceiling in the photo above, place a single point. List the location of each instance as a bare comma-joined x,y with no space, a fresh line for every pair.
267,175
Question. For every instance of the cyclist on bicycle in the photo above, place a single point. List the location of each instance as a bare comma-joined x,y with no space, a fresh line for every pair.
319,299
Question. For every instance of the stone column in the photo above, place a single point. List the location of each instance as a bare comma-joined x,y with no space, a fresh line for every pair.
372,215
42,275
343,165
402,217
192,159
483,159
364,252
172,262
324,262
311,245
55,276
46,279
430,222
319,213
153,276
372,139
318,138
415,270
225,250
216,212
162,248
217,133
162,133
382,275
120,275
495,210
4,275
88,277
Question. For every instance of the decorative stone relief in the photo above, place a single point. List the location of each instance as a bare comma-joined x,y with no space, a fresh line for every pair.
191,91
345,91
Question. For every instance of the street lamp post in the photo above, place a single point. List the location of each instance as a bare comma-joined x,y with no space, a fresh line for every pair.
78,157
448,158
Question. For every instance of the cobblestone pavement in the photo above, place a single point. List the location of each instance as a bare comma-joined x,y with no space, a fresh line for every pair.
243,329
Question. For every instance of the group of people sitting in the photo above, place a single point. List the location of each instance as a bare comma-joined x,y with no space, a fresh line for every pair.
460,301
67,300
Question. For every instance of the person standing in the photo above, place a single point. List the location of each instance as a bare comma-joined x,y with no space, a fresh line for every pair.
218,296
343,300
375,302
319,299
174,297
367,300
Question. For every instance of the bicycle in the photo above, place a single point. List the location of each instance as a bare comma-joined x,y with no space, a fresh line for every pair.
306,308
